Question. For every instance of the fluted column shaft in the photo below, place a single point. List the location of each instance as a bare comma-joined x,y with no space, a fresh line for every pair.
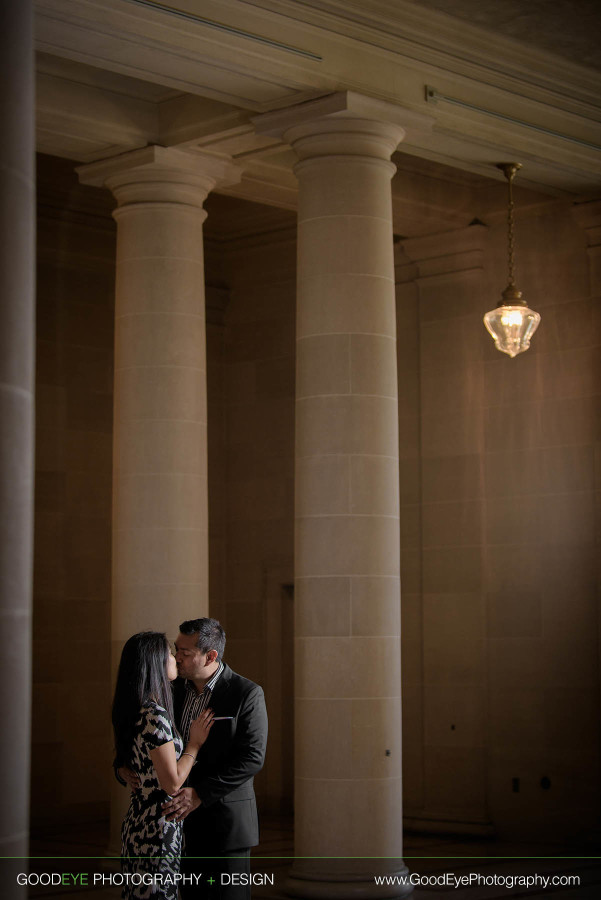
348,800
160,495
17,355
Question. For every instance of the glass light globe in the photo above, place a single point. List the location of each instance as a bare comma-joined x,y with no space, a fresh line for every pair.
511,327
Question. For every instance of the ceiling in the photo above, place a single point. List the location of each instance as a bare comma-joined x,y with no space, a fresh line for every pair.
468,76
571,28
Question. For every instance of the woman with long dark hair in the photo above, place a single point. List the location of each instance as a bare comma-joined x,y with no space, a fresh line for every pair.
147,741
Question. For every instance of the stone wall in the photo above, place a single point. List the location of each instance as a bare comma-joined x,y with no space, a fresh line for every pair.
499,506
500,581
72,573
253,535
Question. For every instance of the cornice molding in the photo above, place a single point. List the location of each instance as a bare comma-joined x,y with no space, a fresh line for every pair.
347,104
155,44
432,37
155,162
513,101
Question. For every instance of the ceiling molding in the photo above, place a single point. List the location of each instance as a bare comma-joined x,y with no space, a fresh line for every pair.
95,121
166,79
153,44
454,45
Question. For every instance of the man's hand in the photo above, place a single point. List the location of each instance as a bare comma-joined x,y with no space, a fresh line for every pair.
181,804
131,778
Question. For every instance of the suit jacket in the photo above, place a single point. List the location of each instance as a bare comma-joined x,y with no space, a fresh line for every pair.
226,764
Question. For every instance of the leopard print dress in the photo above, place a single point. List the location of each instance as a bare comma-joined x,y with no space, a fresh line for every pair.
150,844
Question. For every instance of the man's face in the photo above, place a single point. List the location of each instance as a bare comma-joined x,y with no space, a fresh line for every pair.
191,662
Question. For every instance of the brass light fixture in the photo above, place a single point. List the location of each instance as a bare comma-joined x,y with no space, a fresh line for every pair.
512,323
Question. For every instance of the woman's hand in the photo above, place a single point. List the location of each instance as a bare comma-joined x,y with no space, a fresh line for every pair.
200,727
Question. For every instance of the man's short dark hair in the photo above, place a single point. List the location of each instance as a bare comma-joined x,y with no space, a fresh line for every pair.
211,635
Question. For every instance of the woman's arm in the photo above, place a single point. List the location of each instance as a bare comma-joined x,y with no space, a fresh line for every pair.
172,772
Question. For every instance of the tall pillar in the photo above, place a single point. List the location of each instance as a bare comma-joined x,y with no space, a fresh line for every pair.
160,497
17,355
348,799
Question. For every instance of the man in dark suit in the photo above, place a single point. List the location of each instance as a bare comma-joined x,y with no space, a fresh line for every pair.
218,805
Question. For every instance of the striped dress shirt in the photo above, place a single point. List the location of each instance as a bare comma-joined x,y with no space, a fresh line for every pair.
195,703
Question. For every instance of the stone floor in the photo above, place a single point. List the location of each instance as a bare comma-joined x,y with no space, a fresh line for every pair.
490,863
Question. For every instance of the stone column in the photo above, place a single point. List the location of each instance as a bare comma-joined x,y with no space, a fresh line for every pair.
348,800
160,507
17,355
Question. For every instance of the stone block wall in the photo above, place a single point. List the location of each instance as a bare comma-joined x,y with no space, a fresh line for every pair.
499,482
500,579
72,570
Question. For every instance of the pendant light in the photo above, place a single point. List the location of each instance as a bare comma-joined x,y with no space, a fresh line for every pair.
512,323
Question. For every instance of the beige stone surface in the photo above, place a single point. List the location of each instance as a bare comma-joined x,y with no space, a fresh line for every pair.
374,485
455,716
335,303
326,484
444,389
323,607
498,476
356,245
159,555
318,809
515,614
152,230
447,433
139,276
347,545
349,667
375,737
411,616
347,424
452,524
323,365
324,727
519,712
412,663
373,365
325,187
452,477
452,570
411,567
159,445
515,661
375,606
165,497
455,781
170,392
160,338
451,340
73,501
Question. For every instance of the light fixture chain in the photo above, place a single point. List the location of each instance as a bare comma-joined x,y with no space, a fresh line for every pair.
510,232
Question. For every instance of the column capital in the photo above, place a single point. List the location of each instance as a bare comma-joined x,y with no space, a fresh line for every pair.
345,124
158,174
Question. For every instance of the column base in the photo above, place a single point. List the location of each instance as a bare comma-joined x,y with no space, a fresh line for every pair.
349,880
